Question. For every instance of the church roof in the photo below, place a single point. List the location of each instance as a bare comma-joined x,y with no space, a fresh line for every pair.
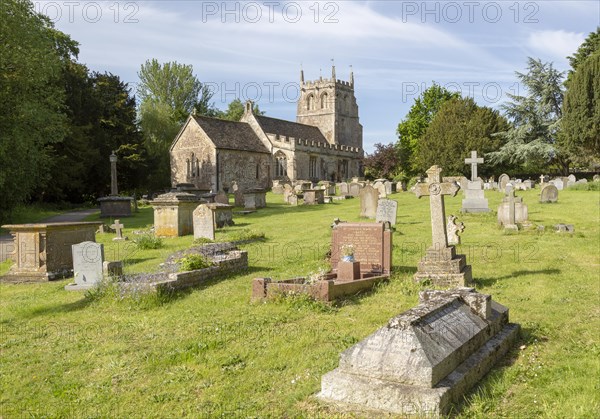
231,135
290,129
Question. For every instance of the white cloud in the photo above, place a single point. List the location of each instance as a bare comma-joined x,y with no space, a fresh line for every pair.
557,43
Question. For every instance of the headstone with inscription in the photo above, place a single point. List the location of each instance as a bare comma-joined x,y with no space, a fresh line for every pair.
549,193
371,243
441,265
387,210
368,201
502,181
88,259
204,223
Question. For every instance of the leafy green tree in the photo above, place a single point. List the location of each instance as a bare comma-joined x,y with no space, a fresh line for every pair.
168,93
580,124
411,129
31,99
459,126
235,111
530,142
586,49
383,163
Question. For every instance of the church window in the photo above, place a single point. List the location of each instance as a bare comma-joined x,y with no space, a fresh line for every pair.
324,101
310,102
281,166
312,167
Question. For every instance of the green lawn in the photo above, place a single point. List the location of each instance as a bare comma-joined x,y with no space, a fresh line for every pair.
211,352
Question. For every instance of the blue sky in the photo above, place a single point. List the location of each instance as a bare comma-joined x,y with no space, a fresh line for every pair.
255,49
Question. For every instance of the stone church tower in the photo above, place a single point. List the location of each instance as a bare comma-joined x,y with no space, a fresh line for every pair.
330,105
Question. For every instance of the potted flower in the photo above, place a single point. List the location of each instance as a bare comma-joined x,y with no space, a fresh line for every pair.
347,253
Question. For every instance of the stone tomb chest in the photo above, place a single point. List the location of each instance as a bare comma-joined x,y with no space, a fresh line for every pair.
254,199
426,358
42,251
115,206
371,245
173,214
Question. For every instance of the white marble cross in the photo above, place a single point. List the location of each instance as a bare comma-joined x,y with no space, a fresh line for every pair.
118,227
435,189
473,161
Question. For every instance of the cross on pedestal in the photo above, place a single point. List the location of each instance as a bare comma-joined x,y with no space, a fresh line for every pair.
118,227
435,189
473,161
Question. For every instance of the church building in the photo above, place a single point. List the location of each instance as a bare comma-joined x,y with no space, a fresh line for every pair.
325,142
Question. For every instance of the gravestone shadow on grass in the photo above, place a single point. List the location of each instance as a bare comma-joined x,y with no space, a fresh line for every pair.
489,281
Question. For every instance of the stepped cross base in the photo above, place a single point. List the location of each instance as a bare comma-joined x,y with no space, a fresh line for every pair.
444,268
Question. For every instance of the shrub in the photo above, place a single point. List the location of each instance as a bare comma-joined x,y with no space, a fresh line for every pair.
193,262
148,241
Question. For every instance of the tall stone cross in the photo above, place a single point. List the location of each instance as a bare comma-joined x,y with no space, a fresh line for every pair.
113,174
436,189
473,161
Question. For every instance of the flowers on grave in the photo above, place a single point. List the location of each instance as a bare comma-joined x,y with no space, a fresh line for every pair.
313,277
347,253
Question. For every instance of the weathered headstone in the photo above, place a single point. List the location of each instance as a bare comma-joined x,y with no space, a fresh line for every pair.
582,181
287,192
564,228
389,188
387,210
572,178
354,189
596,178
204,223
381,189
502,181
238,197
558,182
368,201
277,187
344,188
512,211
549,193
509,187
453,228
88,258
441,265
425,359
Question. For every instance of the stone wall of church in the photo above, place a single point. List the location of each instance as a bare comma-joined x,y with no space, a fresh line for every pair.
248,169
193,159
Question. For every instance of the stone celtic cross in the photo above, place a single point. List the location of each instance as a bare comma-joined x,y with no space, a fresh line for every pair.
473,161
436,189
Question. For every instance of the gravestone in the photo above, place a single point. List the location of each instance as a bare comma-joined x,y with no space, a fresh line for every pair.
238,197
529,184
204,223
173,214
474,161
277,187
372,244
512,211
387,210
509,187
314,196
441,265
475,200
88,259
381,189
571,178
596,178
368,201
558,182
425,359
344,188
118,227
222,198
389,188
401,186
549,193
502,181
354,189
288,191
582,181
254,199
564,228
453,228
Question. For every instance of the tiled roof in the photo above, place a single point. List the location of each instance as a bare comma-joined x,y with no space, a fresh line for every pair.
290,129
231,135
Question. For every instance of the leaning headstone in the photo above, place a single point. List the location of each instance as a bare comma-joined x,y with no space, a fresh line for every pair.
512,211
441,265
88,258
204,225
387,210
425,359
549,193
368,201
502,181
453,228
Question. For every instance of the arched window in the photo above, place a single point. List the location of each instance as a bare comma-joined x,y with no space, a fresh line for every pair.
280,165
324,100
310,102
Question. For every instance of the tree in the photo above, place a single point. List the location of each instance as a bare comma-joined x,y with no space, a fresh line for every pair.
31,99
235,111
530,143
168,93
383,163
459,126
580,124
412,128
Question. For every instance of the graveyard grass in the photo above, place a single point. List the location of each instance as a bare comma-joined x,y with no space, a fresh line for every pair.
210,351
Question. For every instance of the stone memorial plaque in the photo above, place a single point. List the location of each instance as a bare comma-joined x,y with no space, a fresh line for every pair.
88,258
204,223
387,210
